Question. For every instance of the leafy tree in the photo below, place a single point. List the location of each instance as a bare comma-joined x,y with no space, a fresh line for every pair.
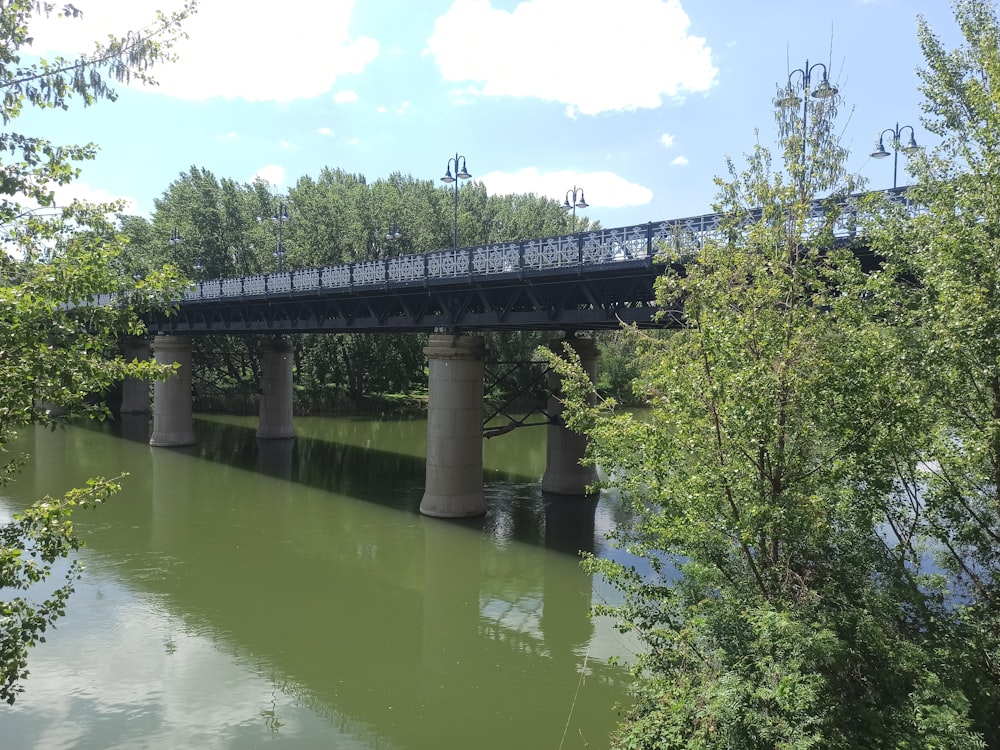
949,325
224,228
56,347
337,217
788,603
620,366
487,219
34,164
213,228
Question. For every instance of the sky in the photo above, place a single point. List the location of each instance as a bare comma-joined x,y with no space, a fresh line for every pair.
636,103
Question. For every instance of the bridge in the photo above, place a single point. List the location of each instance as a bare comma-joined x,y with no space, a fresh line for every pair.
588,281
569,284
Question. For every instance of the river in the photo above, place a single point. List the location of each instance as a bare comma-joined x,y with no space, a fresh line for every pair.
244,593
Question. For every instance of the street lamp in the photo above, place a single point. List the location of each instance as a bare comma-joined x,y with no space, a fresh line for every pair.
574,203
394,232
460,174
280,217
175,237
909,149
790,99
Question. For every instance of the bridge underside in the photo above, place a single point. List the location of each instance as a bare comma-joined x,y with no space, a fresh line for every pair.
598,298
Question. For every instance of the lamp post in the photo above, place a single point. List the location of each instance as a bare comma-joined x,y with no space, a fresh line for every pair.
460,174
909,149
280,217
394,232
790,99
176,239
574,204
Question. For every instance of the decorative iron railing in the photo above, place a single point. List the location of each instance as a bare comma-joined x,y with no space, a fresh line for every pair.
669,240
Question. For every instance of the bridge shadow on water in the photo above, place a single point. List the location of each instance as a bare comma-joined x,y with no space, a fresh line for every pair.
518,509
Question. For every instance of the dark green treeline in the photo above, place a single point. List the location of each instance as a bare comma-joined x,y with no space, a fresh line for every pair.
227,228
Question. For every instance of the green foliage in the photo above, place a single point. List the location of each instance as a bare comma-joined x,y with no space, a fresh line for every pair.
357,366
29,545
948,323
58,348
338,217
814,488
33,163
621,364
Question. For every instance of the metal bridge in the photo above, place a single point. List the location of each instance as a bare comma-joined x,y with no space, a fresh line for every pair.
585,281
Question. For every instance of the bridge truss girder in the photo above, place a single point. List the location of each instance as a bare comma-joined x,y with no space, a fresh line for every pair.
598,298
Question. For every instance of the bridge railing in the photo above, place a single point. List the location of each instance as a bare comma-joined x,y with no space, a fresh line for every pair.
669,240
639,242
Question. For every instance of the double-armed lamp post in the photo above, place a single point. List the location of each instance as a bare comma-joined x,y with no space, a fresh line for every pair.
790,98
573,203
909,149
461,173
280,217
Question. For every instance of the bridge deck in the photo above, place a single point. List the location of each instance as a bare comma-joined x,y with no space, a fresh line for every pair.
586,281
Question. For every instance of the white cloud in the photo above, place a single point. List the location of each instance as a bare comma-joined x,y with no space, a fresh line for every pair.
679,161
230,136
591,55
325,131
285,145
601,189
345,97
272,174
667,140
233,50
381,109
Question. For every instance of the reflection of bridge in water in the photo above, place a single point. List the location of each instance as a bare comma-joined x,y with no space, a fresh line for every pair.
568,284
447,594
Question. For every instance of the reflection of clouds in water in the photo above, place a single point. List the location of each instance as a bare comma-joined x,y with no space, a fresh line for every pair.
522,615
121,672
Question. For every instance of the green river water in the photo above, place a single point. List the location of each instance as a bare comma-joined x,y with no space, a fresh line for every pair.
244,594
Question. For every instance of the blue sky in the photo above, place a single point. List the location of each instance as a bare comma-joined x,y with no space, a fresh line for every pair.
637,102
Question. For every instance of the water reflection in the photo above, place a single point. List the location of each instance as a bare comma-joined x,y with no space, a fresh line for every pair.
306,564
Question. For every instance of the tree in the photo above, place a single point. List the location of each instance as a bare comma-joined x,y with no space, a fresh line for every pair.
788,605
56,346
34,164
949,325
213,228
337,217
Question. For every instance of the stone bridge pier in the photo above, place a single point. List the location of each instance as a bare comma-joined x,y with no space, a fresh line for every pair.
173,422
454,479
276,390
454,468
564,448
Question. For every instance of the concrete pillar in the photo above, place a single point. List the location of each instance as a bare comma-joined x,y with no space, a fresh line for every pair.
135,392
173,423
276,390
454,485
564,448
